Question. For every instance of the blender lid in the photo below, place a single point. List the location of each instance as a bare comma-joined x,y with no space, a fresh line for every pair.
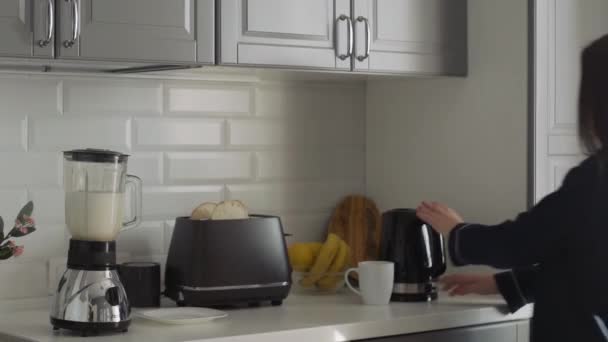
95,156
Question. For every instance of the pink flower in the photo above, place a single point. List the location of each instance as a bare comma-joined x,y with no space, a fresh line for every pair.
29,221
17,251
23,230
11,244
18,224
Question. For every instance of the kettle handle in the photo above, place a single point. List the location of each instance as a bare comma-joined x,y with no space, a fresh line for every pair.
137,185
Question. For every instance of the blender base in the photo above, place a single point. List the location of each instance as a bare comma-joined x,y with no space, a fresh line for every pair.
88,329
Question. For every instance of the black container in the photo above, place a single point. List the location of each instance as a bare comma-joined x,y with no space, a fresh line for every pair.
142,283
418,252
228,262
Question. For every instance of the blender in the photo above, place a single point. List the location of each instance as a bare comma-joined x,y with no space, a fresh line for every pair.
90,297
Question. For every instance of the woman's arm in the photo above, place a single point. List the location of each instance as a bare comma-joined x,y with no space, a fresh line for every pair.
527,240
517,286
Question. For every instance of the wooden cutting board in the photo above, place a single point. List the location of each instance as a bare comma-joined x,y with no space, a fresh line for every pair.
357,221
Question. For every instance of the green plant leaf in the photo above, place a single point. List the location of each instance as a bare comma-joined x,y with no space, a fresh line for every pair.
26,211
5,253
1,229
18,233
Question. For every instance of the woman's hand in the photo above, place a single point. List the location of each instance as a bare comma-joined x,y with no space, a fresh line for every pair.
463,283
442,218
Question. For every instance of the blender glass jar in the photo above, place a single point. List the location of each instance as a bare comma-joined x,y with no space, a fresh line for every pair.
95,182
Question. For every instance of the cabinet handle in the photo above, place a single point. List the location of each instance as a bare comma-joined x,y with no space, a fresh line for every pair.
75,24
349,49
368,38
50,27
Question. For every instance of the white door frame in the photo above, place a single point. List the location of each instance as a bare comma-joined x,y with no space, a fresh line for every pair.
556,147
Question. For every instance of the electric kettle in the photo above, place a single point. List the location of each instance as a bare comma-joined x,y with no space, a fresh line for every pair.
418,252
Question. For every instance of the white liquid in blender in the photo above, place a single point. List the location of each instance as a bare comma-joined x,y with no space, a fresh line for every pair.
94,216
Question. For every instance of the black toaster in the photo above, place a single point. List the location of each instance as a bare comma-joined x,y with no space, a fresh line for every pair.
228,262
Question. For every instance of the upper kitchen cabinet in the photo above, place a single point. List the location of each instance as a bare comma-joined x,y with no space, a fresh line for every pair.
137,30
313,34
26,28
410,36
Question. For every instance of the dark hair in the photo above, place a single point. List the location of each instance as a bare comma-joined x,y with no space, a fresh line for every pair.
593,97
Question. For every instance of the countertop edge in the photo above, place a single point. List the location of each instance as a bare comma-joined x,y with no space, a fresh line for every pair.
475,315
378,329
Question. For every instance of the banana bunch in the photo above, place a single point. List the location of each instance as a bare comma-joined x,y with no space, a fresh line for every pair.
321,261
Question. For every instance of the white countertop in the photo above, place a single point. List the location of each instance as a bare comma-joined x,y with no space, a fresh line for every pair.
330,318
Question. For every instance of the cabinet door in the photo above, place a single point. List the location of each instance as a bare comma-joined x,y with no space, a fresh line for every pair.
292,33
411,36
523,331
490,333
131,30
18,18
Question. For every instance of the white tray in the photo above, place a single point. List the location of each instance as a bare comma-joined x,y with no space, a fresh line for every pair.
183,315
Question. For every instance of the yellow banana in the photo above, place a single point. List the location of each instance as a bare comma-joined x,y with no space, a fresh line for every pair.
315,247
323,261
302,255
340,263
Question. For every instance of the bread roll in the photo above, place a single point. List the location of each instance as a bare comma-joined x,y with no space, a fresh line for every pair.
230,210
203,211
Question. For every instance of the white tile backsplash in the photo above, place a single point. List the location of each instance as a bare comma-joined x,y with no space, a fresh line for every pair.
11,201
293,197
208,99
281,100
23,279
257,133
173,201
147,239
310,164
116,97
12,132
49,204
30,169
312,129
29,95
287,148
147,166
172,133
49,240
58,134
200,166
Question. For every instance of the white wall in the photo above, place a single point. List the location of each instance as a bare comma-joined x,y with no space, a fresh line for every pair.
462,141
287,148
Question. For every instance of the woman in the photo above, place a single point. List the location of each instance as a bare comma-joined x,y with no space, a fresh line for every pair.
558,250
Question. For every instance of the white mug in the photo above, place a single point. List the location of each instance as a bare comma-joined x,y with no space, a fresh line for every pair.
375,281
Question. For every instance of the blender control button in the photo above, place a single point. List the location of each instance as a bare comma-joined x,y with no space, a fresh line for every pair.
112,296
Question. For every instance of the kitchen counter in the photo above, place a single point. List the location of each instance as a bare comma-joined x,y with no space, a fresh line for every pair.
301,318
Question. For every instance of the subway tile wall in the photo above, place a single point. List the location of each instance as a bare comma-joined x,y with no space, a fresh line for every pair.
290,148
